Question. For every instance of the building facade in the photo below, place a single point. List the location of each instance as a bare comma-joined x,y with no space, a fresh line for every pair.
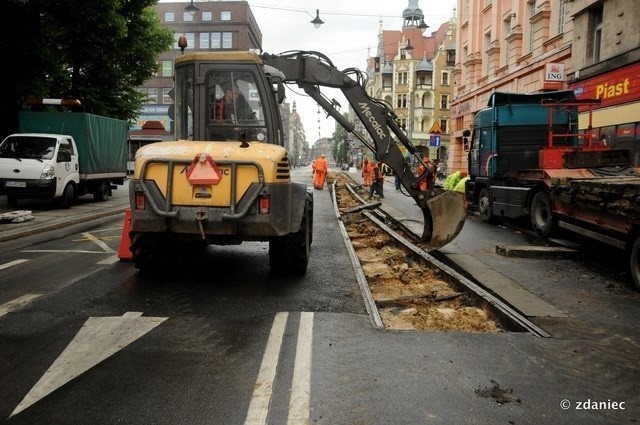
606,66
413,73
527,46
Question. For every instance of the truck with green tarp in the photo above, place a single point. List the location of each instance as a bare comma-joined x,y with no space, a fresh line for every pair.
63,155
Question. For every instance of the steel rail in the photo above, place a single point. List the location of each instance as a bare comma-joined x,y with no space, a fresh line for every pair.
515,316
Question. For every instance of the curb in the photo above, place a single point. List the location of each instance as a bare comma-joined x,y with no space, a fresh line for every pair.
25,231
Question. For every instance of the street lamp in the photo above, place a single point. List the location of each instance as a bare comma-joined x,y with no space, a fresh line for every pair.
316,21
191,8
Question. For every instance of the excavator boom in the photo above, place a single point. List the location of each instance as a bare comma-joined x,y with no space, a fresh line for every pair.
444,211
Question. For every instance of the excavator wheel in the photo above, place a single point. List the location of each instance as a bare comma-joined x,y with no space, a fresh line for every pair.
289,254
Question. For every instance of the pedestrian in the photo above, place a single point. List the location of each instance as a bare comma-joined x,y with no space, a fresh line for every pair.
321,168
440,170
377,181
366,173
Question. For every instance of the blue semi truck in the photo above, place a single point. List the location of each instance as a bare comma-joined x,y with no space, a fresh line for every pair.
534,157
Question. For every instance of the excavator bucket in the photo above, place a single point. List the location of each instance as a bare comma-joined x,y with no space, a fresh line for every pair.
443,218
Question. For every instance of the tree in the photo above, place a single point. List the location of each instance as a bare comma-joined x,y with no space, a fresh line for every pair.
340,146
98,52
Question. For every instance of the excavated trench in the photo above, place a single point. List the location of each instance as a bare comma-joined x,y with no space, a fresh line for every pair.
408,292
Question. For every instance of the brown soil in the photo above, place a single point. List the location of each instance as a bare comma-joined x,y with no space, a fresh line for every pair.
409,293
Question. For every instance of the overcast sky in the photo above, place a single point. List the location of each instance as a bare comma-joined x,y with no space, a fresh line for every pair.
348,37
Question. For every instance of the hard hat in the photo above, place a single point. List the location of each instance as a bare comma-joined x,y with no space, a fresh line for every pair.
323,156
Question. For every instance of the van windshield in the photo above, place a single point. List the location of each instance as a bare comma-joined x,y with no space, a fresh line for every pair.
28,147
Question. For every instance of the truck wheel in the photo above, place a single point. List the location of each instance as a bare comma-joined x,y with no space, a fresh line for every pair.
634,263
102,192
541,215
484,205
67,198
12,201
289,254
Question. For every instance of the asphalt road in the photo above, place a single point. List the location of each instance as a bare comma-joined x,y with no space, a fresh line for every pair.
204,342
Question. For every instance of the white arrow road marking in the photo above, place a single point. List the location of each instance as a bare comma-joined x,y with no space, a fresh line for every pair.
11,264
261,398
99,338
17,303
301,384
105,248
110,260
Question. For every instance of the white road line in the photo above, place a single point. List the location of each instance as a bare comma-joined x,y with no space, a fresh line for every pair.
111,260
11,264
77,251
263,388
98,242
301,385
17,303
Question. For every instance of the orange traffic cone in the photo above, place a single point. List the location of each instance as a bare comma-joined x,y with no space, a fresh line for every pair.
124,251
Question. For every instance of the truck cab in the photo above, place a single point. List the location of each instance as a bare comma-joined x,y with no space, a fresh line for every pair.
37,165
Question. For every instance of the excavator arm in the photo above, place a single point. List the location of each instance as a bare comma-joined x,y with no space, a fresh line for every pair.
444,211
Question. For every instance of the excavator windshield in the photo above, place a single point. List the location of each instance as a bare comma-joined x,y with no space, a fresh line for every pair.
235,110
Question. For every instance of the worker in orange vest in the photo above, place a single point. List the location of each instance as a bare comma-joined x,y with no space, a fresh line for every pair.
321,168
429,181
367,170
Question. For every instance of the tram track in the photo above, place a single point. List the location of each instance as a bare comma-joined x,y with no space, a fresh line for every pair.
404,286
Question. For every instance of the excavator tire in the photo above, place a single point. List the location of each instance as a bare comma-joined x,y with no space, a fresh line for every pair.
289,254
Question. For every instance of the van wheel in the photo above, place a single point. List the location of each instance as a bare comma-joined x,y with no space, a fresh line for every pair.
541,215
484,205
67,198
102,193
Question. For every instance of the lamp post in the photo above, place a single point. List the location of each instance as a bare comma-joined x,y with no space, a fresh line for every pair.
316,21
191,8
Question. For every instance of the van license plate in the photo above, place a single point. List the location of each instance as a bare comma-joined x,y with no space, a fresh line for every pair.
15,184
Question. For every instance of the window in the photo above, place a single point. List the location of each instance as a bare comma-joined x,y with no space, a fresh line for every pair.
225,15
227,40
166,95
216,40
531,13
444,101
187,17
152,95
204,40
169,17
401,101
207,16
402,77
443,125
596,34
445,78
561,17
487,54
167,68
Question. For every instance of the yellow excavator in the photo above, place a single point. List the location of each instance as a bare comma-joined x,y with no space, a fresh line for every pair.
226,179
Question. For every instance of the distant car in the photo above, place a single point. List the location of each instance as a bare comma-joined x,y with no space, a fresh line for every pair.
345,167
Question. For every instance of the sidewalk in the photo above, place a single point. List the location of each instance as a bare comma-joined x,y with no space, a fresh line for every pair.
47,217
